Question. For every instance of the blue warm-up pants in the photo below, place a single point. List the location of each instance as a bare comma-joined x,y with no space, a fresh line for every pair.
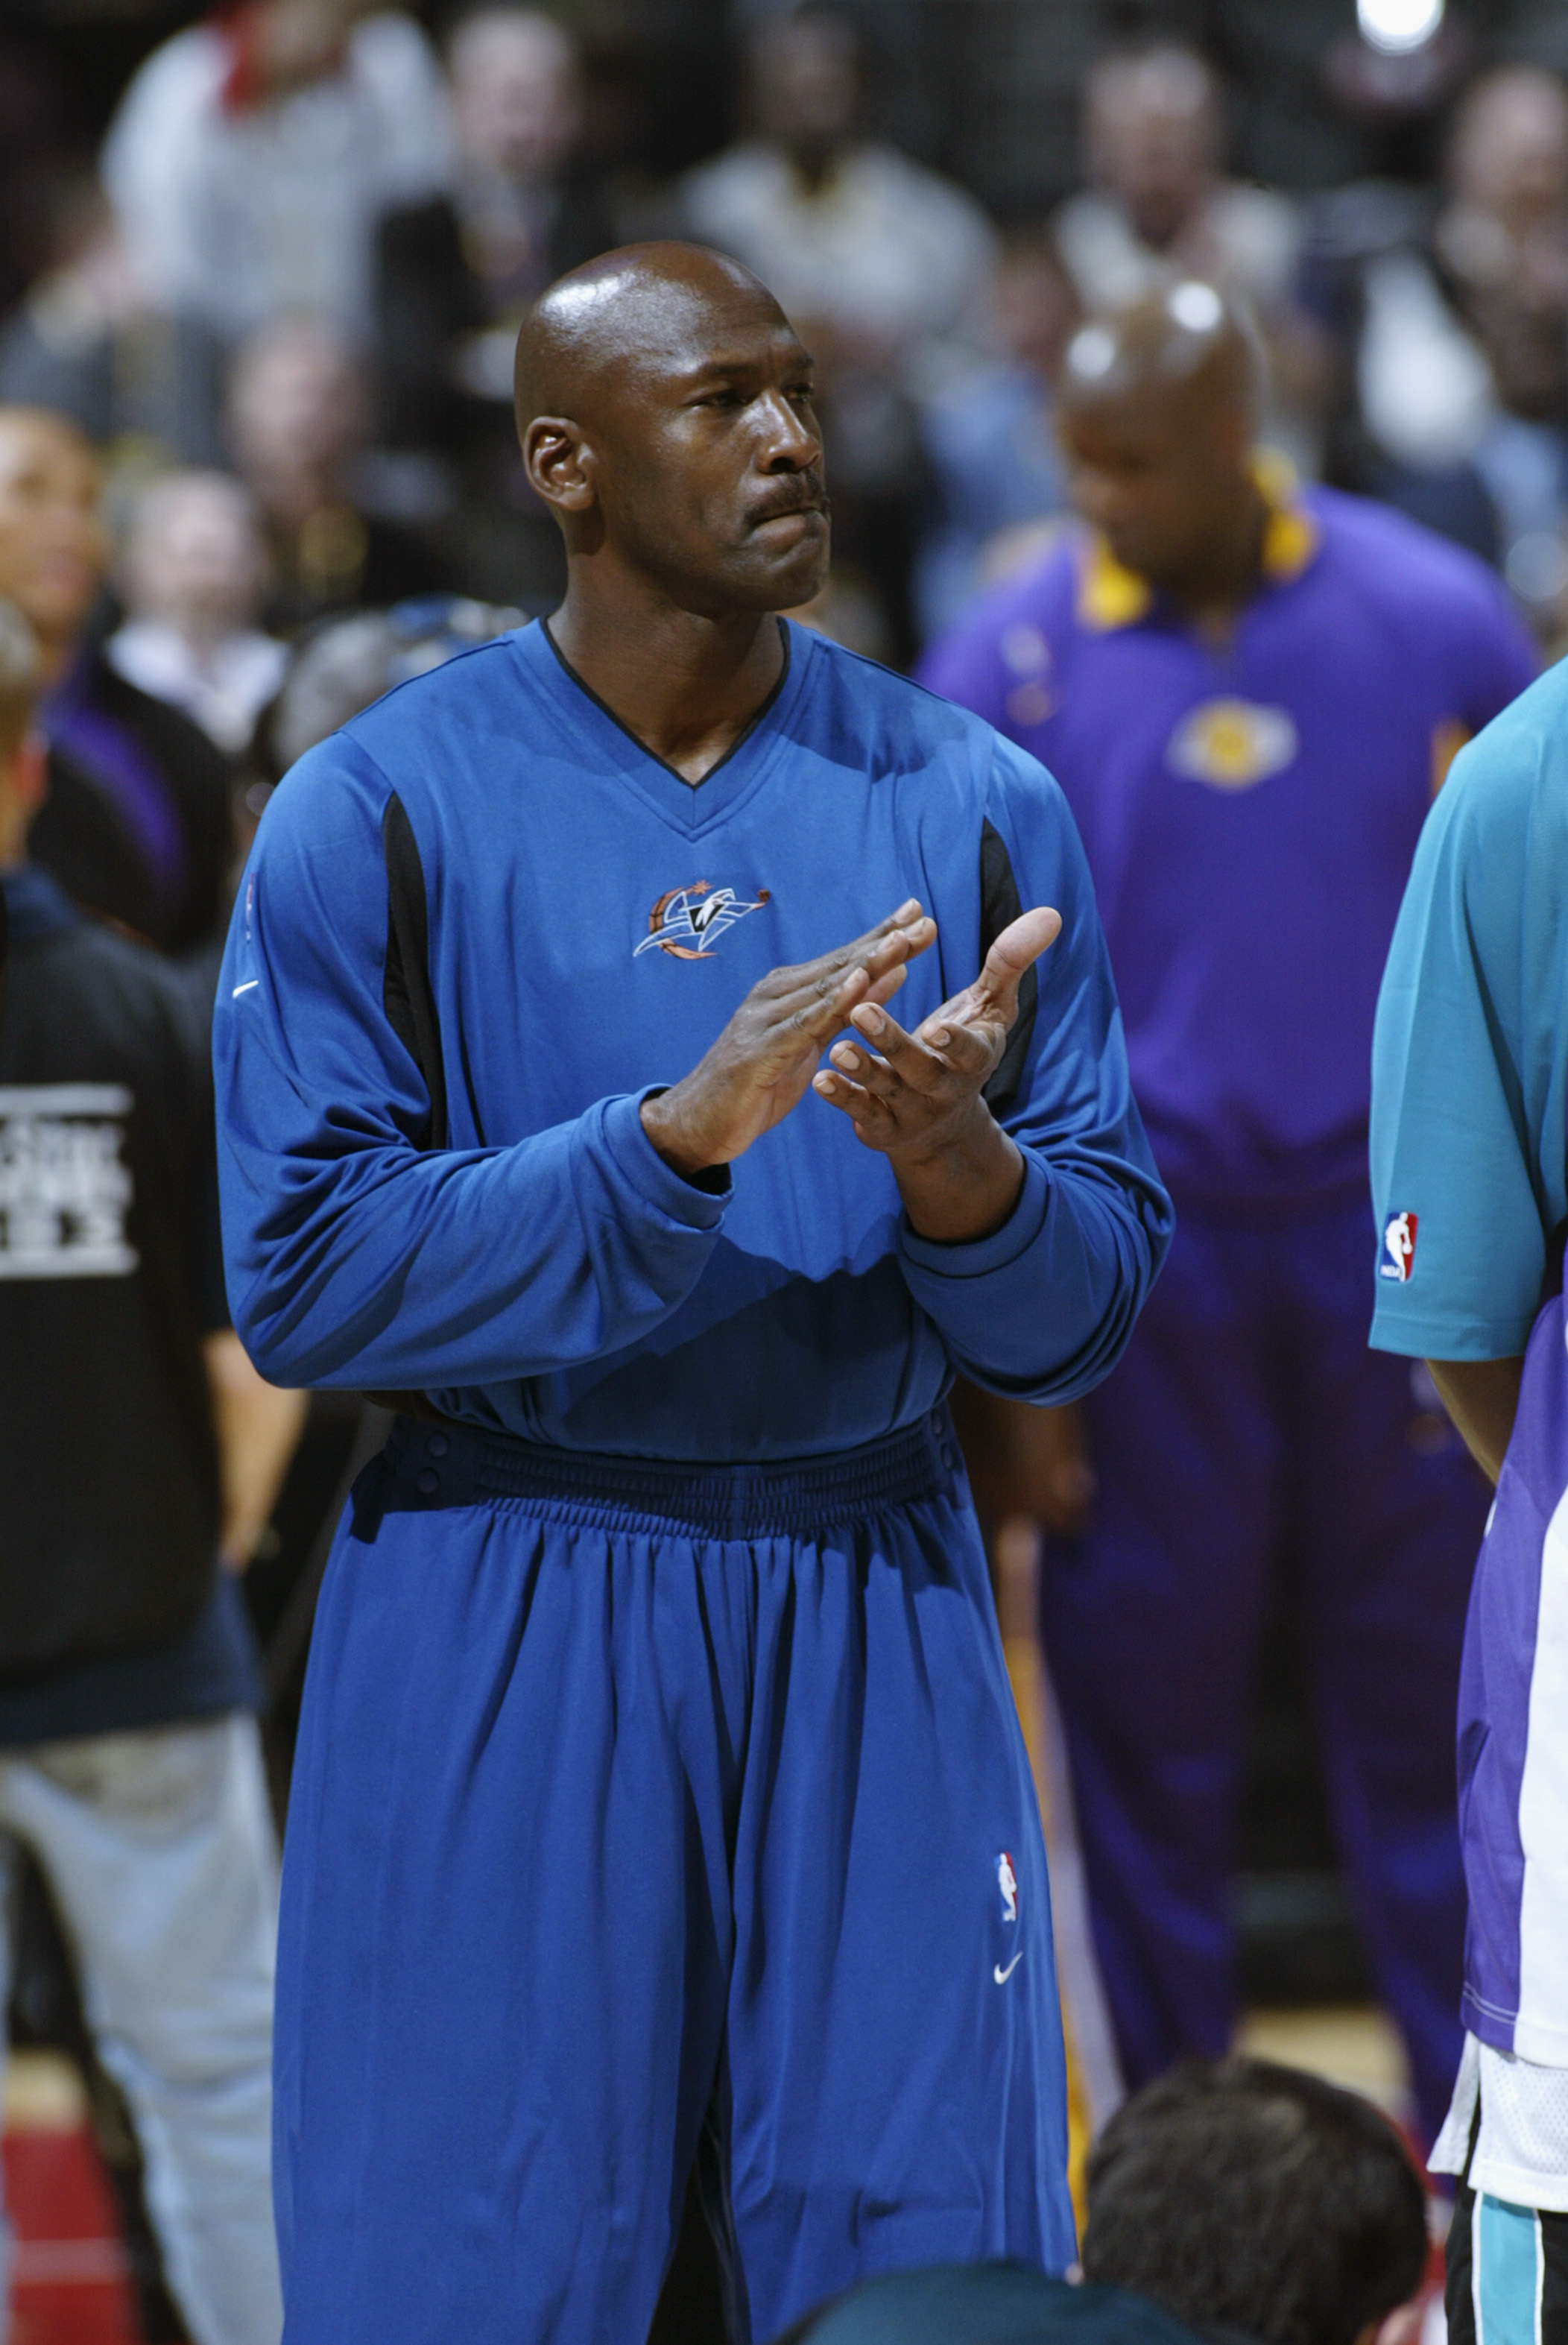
642,1807
1250,1451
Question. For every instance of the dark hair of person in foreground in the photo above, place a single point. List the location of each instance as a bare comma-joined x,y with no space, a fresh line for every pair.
987,2304
1240,2194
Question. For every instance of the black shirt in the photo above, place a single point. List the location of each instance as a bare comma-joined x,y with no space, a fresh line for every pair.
138,824
111,1614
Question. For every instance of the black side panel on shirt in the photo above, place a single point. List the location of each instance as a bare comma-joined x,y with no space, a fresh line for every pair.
405,992
409,1000
108,1462
1000,905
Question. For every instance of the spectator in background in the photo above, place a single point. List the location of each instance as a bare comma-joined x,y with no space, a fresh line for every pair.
1259,2202
88,341
138,1450
991,441
138,825
1248,697
298,418
1460,351
877,251
192,579
252,154
456,273
1503,237
1158,200
884,268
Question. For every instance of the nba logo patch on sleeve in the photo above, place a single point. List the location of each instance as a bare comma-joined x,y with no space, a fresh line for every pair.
1399,1247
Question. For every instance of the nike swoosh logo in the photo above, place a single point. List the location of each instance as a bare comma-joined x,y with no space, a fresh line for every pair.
1001,1975
248,987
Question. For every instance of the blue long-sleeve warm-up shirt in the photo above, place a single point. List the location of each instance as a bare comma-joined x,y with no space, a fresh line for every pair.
593,922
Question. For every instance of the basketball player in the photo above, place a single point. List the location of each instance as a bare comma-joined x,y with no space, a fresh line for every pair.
1249,696
1470,1172
658,1779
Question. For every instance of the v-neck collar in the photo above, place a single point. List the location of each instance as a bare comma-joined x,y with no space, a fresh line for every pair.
688,807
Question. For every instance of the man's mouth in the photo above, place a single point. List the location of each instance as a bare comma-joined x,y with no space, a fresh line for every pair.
799,508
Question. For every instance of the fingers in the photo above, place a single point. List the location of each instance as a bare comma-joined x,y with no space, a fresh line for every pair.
926,1062
897,938
886,987
1019,947
911,933
860,1068
892,1085
822,993
865,1110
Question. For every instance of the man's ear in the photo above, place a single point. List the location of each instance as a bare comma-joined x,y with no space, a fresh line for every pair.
559,463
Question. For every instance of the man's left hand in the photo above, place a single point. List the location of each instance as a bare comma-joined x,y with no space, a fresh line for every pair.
917,1097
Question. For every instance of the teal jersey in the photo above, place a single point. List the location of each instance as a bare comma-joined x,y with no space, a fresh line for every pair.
1470,1055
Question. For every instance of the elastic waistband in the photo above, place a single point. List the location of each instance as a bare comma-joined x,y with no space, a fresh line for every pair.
425,1468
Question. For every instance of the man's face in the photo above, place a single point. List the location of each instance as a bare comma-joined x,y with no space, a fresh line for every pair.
296,402
305,41
53,548
194,557
805,82
515,95
1143,468
1152,140
1510,159
708,457
1035,309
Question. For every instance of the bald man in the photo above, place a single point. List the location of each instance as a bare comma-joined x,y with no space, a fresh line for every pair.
1249,696
657,1779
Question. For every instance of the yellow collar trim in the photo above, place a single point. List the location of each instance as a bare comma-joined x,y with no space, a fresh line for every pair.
1110,595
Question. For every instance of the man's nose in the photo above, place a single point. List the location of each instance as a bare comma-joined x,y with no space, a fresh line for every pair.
789,443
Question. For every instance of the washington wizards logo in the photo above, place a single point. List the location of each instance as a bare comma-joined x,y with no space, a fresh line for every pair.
688,922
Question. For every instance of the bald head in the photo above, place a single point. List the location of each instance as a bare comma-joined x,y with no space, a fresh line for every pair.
1181,342
1159,406
664,407
640,309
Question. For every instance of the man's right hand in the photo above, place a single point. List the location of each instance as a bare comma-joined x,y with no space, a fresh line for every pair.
763,1062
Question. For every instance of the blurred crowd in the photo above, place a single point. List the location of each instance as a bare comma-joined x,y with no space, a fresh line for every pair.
281,297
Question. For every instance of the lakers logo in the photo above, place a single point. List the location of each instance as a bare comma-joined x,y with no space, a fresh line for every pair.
687,922
1232,744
